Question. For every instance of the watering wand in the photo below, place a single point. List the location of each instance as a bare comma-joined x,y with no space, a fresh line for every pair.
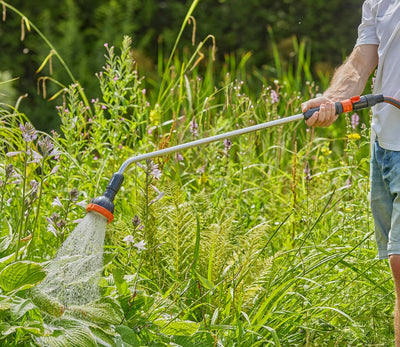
104,203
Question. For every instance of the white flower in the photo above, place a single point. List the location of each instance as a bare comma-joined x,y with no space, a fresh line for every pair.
140,246
128,239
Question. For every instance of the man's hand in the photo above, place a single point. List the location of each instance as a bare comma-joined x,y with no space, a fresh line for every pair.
326,114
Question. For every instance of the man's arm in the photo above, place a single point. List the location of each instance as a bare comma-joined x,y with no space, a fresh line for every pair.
348,80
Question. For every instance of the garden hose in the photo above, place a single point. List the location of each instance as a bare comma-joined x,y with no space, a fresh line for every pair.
104,204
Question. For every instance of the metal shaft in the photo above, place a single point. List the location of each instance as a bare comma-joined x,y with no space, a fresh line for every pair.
207,140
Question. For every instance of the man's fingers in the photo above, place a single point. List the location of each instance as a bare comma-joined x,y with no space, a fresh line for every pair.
312,120
324,118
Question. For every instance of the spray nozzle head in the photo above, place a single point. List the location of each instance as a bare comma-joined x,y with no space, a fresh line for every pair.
104,203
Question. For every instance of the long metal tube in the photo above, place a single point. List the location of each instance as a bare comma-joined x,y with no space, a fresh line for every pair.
207,140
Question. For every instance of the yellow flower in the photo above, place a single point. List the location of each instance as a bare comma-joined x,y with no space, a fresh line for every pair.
325,151
354,136
155,116
203,178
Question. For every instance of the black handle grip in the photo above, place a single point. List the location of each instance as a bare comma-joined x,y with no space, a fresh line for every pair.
311,111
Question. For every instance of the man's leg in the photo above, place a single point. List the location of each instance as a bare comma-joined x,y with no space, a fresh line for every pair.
395,266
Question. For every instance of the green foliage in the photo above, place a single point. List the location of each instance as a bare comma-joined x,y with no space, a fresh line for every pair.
78,30
265,239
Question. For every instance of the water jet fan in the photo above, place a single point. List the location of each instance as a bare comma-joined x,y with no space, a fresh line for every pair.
104,204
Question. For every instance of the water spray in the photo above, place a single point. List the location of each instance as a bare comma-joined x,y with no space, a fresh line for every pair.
104,204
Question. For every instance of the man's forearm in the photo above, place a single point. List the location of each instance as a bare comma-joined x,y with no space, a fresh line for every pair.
351,77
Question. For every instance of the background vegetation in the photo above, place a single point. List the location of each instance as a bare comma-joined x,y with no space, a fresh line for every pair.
263,240
78,30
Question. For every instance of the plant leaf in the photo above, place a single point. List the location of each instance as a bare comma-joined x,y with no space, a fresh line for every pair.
102,312
20,307
21,275
179,328
128,336
69,333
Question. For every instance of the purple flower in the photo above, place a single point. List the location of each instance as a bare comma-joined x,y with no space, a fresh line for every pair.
136,221
29,133
73,194
178,157
155,171
274,97
46,146
194,127
12,154
201,169
227,144
355,120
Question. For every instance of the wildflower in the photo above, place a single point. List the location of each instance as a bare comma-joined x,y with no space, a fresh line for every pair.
12,154
159,196
29,133
155,116
325,151
61,224
140,246
155,171
57,202
194,127
54,134
46,146
55,169
9,170
34,189
35,157
354,136
136,221
227,144
274,97
178,157
128,239
354,120
201,169
52,223
73,194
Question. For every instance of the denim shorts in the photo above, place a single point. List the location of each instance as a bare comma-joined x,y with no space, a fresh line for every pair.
385,199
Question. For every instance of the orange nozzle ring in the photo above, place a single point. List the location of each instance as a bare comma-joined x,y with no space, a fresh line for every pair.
103,211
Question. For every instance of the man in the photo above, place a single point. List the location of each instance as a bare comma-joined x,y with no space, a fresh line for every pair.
378,45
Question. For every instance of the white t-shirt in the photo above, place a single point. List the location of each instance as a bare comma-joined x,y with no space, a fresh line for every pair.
380,25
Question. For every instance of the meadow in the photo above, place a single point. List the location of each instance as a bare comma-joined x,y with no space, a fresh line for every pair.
262,240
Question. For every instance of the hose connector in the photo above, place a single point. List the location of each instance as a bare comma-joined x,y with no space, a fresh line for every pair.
104,203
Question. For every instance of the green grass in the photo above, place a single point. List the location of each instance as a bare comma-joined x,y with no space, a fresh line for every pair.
268,241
